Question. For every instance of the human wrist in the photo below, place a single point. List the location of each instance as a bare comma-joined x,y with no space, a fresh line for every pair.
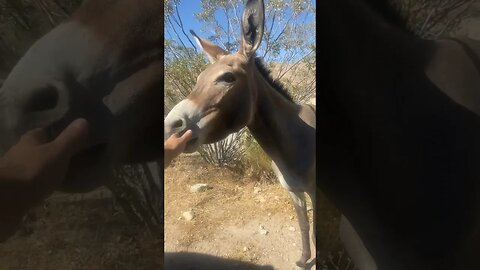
167,157
14,194
9,226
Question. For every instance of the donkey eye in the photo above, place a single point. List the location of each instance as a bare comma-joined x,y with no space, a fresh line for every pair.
226,77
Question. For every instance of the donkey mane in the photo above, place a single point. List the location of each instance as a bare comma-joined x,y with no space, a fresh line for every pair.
267,75
390,12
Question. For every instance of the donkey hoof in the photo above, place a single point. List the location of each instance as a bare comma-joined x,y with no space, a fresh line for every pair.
300,265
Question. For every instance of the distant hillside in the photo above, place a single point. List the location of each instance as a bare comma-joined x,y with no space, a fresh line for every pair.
300,79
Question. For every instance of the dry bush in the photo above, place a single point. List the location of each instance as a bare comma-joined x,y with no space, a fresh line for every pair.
434,19
256,162
227,152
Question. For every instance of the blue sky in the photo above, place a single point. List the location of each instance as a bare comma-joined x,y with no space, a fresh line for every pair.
188,8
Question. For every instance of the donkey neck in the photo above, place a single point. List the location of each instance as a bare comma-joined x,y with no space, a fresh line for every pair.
277,127
363,53
358,32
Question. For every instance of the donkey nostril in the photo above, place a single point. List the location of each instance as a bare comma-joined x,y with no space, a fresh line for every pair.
42,100
178,124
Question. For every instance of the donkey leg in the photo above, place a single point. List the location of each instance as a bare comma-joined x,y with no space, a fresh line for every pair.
314,221
301,209
355,247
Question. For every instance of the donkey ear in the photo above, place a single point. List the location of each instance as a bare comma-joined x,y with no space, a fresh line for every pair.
211,50
253,21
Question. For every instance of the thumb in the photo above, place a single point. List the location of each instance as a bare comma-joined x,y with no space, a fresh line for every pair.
35,137
72,139
186,136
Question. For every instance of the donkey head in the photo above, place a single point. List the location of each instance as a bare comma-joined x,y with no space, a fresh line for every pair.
223,99
105,65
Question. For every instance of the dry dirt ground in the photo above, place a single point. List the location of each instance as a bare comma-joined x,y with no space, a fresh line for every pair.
68,234
228,218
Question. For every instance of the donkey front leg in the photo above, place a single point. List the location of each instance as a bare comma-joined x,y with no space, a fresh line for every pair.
300,204
355,247
313,199
301,209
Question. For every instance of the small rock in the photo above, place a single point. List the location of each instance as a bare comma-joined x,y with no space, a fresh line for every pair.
188,215
292,229
256,190
269,214
199,187
245,249
291,217
262,230
260,199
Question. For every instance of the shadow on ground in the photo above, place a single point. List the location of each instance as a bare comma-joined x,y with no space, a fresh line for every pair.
198,261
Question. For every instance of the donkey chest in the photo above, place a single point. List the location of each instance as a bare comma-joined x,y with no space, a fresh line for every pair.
454,73
291,179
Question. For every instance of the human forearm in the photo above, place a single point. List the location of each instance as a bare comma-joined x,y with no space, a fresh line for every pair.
174,146
32,169
10,222
12,209
167,159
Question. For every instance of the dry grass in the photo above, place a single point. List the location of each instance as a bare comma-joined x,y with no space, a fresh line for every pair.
80,235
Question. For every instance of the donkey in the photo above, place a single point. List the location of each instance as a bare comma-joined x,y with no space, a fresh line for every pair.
104,64
236,91
400,138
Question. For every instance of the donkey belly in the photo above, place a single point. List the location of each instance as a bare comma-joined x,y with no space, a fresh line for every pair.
290,181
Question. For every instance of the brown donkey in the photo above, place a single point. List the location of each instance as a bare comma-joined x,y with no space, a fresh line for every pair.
236,91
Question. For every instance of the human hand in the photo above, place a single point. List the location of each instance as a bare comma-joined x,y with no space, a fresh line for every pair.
33,168
174,146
